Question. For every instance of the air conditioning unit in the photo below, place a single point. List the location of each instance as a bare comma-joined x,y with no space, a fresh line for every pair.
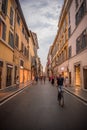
0,5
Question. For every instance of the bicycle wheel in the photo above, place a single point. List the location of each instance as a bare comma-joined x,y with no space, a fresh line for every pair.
62,101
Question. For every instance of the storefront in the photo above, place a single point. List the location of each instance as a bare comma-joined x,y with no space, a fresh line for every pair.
9,75
85,76
77,75
1,65
21,75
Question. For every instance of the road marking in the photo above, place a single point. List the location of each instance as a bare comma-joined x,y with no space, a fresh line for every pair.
76,97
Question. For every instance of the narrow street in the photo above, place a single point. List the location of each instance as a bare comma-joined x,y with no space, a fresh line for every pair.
36,108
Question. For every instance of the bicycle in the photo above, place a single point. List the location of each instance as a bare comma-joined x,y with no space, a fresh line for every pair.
60,97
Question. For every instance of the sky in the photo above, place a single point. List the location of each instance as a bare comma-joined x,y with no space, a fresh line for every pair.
42,18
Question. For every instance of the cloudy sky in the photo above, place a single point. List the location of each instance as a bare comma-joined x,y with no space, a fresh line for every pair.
42,18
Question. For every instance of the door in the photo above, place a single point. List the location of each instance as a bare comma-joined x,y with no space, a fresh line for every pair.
85,78
0,77
77,75
9,76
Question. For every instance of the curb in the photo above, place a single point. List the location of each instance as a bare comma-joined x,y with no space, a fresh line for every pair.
78,96
13,93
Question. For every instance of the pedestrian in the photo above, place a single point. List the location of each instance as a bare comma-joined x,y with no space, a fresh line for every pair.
17,81
52,80
60,83
66,81
36,79
44,78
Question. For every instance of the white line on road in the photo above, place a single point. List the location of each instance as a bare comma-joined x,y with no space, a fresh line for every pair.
13,96
76,97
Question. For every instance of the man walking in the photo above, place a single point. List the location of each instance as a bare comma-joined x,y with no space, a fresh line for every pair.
60,81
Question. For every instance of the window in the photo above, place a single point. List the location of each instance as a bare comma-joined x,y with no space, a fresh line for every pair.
11,16
2,30
70,52
69,32
22,47
17,41
76,2
11,40
69,18
25,51
81,42
81,12
22,29
4,6
21,63
18,19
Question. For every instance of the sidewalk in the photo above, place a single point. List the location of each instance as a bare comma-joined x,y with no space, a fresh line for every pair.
10,91
78,92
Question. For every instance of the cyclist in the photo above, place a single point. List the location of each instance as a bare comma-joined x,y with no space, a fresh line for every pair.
60,81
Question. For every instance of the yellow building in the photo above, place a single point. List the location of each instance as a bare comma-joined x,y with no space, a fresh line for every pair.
7,15
14,44
21,47
33,42
60,45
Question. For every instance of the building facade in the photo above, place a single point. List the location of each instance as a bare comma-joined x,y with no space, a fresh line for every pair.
77,31
69,49
33,53
14,44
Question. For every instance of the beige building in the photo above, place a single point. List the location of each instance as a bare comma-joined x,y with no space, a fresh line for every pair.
77,28
69,50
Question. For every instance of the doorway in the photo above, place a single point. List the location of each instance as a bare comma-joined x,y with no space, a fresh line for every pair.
9,77
77,75
85,78
0,77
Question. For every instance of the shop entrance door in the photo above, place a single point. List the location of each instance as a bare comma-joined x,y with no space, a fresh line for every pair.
85,78
77,75
0,77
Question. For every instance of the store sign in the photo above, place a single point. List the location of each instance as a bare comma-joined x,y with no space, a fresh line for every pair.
1,63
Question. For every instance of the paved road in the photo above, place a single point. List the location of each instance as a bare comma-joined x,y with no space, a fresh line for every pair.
36,108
